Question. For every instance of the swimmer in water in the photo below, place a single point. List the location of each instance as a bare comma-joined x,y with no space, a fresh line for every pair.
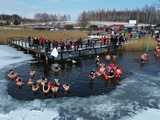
144,58
111,74
157,51
19,82
42,81
35,87
92,75
32,74
108,57
46,88
30,82
12,75
54,88
101,69
66,88
97,60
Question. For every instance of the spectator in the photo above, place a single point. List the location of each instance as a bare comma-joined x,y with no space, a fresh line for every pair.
42,41
36,42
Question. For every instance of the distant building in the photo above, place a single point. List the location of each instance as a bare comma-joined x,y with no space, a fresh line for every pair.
107,23
3,22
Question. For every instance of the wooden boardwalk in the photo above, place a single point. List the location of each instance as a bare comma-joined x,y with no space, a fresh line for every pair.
84,50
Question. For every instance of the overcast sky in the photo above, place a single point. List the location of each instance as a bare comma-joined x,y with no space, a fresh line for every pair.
27,8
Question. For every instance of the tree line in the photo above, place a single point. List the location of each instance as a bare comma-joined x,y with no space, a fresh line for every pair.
148,15
15,19
45,17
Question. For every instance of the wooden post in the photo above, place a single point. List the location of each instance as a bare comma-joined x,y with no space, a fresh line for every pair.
19,45
95,51
22,42
16,42
61,55
39,52
79,51
46,57
25,44
101,47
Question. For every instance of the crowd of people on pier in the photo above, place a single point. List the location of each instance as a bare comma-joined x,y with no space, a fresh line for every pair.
43,84
116,39
46,44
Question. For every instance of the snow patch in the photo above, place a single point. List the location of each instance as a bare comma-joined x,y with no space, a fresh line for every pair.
10,56
25,114
151,114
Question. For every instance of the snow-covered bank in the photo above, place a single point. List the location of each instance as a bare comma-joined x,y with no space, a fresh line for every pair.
25,114
10,56
151,114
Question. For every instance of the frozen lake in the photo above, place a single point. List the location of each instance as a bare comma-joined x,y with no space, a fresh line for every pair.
136,98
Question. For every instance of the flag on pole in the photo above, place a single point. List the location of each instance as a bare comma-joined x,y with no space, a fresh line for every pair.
54,52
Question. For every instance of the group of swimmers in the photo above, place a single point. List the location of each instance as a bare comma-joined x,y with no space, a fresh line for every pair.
40,85
145,56
108,72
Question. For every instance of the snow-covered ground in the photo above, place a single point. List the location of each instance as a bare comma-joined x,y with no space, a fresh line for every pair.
150,114
137,98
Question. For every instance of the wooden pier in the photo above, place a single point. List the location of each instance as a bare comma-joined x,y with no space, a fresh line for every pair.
84,50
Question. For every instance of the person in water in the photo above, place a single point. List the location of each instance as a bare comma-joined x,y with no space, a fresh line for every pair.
111,74
12,75
35,87
92,75
46,88
32,74
66,88
108,57
42,81
144,58
54,88
30,82
101,69
19,82
157,51
118,73
97,60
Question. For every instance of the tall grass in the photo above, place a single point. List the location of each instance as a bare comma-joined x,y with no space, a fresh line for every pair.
59,35
143,44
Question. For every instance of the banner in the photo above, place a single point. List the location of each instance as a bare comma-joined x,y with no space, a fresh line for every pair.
54,53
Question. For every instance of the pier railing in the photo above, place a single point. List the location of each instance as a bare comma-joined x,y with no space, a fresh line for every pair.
85,48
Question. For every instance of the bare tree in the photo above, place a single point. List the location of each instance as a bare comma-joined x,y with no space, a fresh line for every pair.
50,17
83,19
148,14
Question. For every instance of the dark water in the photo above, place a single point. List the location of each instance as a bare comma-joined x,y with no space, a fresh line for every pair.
77,76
